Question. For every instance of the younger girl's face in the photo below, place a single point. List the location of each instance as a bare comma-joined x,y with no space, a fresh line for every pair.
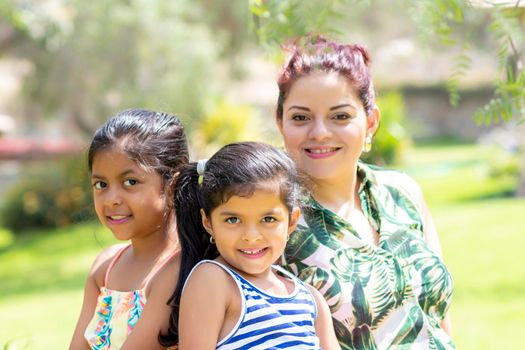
251,232
128,199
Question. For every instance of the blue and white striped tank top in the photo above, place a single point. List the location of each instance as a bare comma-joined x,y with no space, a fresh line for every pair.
269,321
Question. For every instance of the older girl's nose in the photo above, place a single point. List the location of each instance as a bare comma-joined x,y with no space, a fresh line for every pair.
112,197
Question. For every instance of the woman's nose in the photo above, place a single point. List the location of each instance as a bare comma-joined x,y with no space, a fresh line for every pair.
319,130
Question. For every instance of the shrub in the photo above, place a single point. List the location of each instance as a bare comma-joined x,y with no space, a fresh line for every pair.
226,122
48,194
391,138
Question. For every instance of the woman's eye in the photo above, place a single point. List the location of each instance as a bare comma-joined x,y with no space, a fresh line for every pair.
342,116
268,219
99,185
130,182
233,220
299,117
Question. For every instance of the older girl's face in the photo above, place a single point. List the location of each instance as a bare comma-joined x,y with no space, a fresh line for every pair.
324,126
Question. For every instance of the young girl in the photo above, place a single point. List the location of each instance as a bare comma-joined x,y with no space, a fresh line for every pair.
133,160
238,209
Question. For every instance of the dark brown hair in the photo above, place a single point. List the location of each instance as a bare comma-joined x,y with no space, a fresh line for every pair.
315,53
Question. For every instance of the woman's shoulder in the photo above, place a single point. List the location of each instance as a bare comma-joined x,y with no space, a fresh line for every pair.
393,178
387,175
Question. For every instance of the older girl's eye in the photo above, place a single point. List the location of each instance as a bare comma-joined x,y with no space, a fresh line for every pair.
268,219
130,182
99,185
233,220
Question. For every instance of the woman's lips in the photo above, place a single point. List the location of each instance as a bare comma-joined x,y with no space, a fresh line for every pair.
321,152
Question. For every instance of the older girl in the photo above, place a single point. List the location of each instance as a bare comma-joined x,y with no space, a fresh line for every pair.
133,159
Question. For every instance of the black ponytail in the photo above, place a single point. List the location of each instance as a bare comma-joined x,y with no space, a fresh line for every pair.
193,239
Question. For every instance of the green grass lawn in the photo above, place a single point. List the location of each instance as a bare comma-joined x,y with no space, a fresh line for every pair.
482,234
481,229
42,276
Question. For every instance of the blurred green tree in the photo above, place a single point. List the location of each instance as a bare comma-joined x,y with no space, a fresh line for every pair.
92,58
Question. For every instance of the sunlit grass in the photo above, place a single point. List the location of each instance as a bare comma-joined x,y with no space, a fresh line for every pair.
61,256
43,320
482,236
482,244
459,173
43,274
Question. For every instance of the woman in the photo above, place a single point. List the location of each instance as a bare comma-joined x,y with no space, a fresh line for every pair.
367,240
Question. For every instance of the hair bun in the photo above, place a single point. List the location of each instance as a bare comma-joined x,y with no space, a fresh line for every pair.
364,52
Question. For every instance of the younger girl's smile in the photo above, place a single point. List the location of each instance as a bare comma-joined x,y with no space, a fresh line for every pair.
251,232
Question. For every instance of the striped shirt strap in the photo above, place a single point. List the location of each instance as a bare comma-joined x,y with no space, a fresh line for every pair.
269,321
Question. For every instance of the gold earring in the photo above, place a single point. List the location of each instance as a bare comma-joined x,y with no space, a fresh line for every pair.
212,240
368,143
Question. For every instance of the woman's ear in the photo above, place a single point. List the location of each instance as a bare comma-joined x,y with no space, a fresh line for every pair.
294,219
373,120
206,223
279,123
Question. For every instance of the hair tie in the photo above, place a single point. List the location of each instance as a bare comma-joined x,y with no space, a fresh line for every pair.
201,165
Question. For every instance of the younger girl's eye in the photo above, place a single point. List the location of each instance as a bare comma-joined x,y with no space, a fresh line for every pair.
130,182
99,185
268,219
233,220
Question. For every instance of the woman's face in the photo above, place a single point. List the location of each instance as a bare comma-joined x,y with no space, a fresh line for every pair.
324,126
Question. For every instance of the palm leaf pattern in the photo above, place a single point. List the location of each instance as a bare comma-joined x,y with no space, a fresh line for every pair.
389,296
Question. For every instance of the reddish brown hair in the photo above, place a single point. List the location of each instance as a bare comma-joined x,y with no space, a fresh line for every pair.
318,54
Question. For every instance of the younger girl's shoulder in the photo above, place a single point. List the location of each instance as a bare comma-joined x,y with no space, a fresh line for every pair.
209,275
213,273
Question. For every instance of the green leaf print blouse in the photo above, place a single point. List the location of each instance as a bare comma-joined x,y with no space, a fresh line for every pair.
389,296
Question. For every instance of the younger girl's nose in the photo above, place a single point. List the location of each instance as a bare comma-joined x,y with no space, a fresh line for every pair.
251,233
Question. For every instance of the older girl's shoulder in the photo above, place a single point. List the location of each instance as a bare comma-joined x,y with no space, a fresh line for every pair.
167,275
103,260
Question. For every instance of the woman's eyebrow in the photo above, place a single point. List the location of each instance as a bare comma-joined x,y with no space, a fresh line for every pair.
300,107
341,106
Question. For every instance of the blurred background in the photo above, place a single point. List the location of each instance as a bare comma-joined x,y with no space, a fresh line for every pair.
451,87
